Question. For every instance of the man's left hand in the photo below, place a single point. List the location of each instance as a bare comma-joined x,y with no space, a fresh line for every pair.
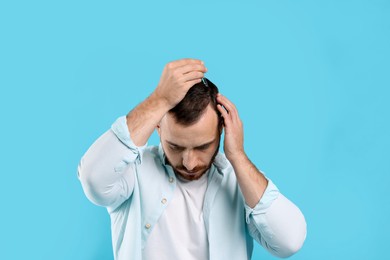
234,133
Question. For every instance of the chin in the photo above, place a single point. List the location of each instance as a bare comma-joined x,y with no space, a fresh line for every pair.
190,177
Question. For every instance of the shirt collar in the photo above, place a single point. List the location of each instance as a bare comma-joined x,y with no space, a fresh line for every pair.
162,155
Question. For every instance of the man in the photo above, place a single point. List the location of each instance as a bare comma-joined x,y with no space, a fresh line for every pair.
184,199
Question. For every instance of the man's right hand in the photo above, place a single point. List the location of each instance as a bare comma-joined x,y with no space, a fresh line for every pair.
177,78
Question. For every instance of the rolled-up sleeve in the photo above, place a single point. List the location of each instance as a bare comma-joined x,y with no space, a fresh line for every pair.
107,169
276,223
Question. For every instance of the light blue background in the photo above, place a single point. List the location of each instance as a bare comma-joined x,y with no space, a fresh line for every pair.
310,80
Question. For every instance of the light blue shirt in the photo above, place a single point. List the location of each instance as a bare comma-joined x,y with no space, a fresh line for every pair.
132,181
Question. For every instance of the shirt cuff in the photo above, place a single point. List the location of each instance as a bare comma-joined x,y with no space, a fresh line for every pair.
120,129
270,194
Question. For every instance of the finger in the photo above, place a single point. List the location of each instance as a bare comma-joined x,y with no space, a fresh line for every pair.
226,101
225,115
193,75
191,67
190,83
231,108
182,62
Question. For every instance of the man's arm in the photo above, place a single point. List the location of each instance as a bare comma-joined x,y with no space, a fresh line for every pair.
280,227
177,78
252,182
106,171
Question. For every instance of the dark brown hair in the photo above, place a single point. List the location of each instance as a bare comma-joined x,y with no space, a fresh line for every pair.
194,104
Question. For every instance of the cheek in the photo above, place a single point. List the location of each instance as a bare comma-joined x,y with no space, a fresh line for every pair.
205,157
173,157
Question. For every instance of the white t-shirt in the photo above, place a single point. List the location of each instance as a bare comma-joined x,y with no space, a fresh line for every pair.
180,231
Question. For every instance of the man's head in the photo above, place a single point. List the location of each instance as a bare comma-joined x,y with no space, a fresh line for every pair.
190,132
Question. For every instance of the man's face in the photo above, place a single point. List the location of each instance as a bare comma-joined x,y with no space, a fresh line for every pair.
190,150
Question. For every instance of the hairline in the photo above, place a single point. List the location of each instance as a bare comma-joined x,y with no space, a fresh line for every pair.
177,121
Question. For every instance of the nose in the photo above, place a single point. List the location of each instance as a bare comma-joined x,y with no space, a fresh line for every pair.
189,160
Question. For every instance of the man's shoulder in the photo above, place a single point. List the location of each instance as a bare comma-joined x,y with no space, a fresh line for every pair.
221,162
150,150
151,153
224,166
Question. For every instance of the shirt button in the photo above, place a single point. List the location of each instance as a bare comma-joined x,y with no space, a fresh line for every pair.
147,226
171,179
164,200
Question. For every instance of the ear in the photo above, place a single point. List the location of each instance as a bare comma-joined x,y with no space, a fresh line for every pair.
158,129
221,124
221,129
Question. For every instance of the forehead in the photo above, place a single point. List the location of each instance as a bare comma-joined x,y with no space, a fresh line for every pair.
203,131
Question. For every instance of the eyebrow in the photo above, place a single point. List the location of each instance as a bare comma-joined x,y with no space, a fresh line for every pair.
197,147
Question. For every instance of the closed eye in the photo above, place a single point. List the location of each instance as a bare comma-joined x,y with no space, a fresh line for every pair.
203,147
175,148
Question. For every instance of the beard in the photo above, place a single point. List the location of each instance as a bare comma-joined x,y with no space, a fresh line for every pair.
197,172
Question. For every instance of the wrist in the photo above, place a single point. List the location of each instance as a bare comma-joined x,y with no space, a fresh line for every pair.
238,158
160,101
